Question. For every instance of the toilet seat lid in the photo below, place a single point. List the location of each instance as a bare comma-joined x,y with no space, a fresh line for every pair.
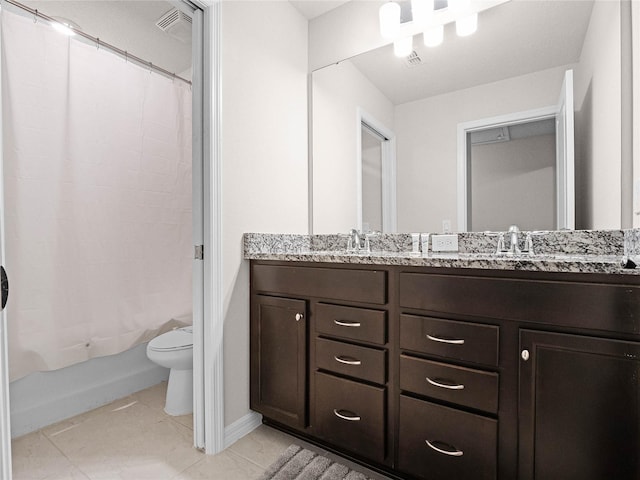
178,339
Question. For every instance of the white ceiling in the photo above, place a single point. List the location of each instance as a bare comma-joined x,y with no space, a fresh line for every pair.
515,38
127,24
314,8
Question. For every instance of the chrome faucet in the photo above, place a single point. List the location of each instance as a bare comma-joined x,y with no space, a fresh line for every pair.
512,238
513,248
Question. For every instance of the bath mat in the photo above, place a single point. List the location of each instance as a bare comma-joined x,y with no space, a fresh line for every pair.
297,463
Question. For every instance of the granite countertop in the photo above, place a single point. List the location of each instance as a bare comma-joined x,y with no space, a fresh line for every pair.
584,251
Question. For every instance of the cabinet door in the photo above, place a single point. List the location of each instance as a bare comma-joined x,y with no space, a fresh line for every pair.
279,359
579,408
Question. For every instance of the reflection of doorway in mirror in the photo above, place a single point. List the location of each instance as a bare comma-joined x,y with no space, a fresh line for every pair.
371,179
513,171
376,175
505,201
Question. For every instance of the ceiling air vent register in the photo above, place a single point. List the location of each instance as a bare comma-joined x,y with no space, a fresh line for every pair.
412,60
177,24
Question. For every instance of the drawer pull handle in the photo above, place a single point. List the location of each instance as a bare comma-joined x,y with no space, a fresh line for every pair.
343,323
454,453
444,385
347,360
351,418
446,340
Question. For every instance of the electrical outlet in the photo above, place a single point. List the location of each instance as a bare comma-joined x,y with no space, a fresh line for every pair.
444,243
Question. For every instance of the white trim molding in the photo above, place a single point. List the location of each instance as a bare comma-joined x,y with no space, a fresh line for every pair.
388,152
241,427
210,432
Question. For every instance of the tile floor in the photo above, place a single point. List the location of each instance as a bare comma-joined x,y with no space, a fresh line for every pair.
133,439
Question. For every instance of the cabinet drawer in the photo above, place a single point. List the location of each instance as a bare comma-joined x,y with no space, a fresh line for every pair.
570,303
369,286
360,362
352,323
351,415
463,386
438,443
472,342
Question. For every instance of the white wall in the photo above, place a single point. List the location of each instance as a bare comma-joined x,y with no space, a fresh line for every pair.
338,92
513,183
349,30
426,133
264,157
598,121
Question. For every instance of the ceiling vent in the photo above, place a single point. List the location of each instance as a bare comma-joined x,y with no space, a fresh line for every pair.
413,60
177,24
490,135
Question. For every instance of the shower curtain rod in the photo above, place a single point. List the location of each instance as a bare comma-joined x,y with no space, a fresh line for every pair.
99,43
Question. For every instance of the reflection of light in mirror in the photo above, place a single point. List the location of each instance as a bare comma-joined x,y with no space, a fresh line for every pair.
467,25
403,47
433,36
422,10
390,19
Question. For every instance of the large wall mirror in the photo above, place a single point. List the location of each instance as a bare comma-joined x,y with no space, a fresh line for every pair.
515,62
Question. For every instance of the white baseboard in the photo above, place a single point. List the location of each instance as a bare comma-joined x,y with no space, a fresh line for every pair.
241,427
44,398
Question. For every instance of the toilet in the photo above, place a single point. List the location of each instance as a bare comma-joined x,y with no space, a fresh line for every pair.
174,350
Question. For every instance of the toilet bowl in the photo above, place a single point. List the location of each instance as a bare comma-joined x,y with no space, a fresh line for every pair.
174,350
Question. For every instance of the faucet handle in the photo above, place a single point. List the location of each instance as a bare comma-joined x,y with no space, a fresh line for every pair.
500,247
528,241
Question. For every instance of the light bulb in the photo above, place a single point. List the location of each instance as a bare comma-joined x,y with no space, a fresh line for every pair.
460,5
403,47
433,36
421,11
390,19
467,25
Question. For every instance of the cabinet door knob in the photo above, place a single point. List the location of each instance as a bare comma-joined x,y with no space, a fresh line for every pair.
525,355
299,316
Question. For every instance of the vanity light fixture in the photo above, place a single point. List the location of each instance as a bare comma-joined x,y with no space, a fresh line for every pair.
429,21
402,47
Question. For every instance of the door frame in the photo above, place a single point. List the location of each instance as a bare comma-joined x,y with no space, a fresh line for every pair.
209,319
5,409
388,153
208,329
465,128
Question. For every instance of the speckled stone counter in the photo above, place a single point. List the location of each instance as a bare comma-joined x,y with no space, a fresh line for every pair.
581,251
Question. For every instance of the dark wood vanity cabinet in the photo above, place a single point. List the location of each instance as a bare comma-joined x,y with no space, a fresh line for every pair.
579,407
342,345
434,374
279,341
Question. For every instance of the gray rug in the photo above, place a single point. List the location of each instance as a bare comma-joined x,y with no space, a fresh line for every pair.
297,463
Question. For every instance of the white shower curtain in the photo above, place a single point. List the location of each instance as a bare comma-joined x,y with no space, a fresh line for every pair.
97,171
